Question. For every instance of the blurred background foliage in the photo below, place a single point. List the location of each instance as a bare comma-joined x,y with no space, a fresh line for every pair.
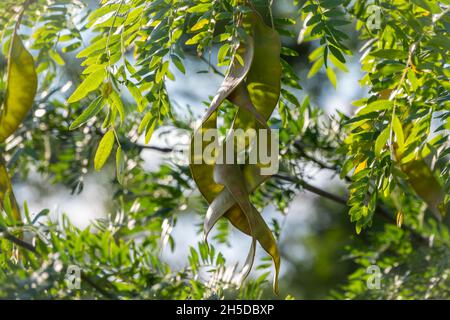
165,59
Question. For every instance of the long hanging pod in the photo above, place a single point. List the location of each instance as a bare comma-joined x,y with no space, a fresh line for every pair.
254,88
21,89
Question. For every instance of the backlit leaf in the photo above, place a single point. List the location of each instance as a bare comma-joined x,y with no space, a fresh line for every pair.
91,111
91,83
104,150
381,141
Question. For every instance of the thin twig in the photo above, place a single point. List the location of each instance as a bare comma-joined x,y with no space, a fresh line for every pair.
48,95
212,67
379,209
299,146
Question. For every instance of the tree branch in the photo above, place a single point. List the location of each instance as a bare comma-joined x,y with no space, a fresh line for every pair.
379,209
313,189
212,67
143,146
17,241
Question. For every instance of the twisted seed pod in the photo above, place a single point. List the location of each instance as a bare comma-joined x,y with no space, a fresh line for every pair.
21,89
254,88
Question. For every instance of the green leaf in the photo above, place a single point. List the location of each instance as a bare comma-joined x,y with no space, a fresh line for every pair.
200,8
315,68
429,5
377,105
413,80
104,149
91,83
316,54
144,122
162,72
285,51
56,57
329,4
331,76
100,44
398,130
199,24
91,111
117,103
71,47
195,39
381,141
315,19
222,53
178,63
439,40
390,54
290,97
137,96
338,64
120,164
150,128
337,53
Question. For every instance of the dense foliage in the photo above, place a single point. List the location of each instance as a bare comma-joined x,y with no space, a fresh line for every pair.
84,81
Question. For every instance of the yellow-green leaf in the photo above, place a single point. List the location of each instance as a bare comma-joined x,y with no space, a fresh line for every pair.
91,111
331,76
91,83
150,128
200,8
56,57
117,103
144,122
120,164
381,141
315,68
200,24
413,80
136,93
378,105
398,130
104,150
162,72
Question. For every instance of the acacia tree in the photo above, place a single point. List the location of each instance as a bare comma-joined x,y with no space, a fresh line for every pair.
392,150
